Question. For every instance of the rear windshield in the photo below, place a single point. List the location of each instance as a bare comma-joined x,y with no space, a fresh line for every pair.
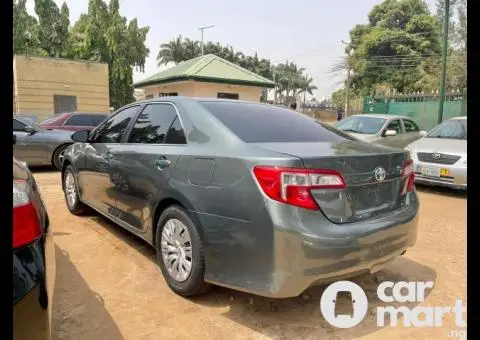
257,123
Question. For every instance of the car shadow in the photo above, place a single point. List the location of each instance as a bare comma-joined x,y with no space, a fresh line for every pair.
77,311
444,191
297,317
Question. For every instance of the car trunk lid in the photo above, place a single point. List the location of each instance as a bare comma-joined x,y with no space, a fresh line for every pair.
373,177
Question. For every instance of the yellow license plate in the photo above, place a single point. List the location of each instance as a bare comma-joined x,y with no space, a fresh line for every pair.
443,172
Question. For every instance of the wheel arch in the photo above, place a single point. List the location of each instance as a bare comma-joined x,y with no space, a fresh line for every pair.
168,201
66,145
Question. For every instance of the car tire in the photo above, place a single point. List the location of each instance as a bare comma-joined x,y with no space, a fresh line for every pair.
73,202
56,158
194,283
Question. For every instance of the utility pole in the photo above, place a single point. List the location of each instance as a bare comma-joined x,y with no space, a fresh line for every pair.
201,30
347,89
275,88
444,60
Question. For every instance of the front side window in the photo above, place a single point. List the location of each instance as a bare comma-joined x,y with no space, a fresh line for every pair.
395,126
153,124
113,129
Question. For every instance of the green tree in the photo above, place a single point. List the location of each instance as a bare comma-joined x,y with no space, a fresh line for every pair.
338,99
54,27
103,35
25,31
306,86
172,52
393,46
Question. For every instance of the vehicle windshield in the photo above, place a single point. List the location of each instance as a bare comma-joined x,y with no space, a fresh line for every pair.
361,124
29,122
450,129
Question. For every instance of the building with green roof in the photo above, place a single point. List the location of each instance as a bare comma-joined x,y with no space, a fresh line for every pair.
206,76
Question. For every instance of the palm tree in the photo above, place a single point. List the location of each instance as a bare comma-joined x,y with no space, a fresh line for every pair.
171,52
307,87
191,49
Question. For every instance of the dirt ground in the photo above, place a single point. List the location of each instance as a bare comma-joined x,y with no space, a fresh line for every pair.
108,285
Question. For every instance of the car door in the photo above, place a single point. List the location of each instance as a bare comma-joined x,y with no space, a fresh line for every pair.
94,179
412,132
29,148
143,165
393,141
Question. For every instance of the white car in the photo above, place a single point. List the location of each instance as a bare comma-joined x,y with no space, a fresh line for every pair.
383,129
440,158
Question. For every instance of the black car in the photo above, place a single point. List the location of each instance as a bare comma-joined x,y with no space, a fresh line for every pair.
33,258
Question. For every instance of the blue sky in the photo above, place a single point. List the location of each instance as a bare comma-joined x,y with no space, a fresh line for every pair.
308,32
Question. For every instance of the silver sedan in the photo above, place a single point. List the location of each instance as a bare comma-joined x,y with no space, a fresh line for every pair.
388,130
440,158
35,145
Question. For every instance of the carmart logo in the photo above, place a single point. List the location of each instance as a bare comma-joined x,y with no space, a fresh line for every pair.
328,304
388,292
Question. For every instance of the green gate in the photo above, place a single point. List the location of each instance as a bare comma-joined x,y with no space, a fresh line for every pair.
420,107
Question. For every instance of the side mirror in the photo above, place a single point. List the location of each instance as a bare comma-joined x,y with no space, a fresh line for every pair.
30,130
423,133
390,133
14,139
81,136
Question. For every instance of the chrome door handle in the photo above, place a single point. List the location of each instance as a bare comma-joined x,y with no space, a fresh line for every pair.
162,163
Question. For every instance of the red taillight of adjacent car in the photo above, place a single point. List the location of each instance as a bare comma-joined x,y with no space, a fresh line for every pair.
409,170
293,186
26,222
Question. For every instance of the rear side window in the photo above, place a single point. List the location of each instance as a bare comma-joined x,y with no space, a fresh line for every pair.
257,123
153,124
84,120
410,126
175,134
97,119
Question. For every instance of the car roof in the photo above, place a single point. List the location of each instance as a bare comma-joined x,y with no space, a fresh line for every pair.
380,115
180,99
459,118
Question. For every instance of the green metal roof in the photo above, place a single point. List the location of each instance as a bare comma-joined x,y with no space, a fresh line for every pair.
208,68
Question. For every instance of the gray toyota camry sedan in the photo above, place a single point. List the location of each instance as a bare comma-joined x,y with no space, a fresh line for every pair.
244,195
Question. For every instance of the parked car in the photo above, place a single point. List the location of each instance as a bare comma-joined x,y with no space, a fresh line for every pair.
74,121
36,145
31,118
244,195
33,259
440,158
388,130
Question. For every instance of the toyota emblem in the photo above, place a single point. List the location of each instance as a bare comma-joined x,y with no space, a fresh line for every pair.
436,155
379,173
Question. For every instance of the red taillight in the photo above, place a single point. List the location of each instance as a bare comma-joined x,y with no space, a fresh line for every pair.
292,186
409,170
26,222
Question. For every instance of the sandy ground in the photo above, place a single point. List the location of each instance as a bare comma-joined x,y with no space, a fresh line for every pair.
108,285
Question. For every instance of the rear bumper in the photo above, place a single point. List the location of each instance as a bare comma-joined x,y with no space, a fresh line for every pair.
457,176
308,250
